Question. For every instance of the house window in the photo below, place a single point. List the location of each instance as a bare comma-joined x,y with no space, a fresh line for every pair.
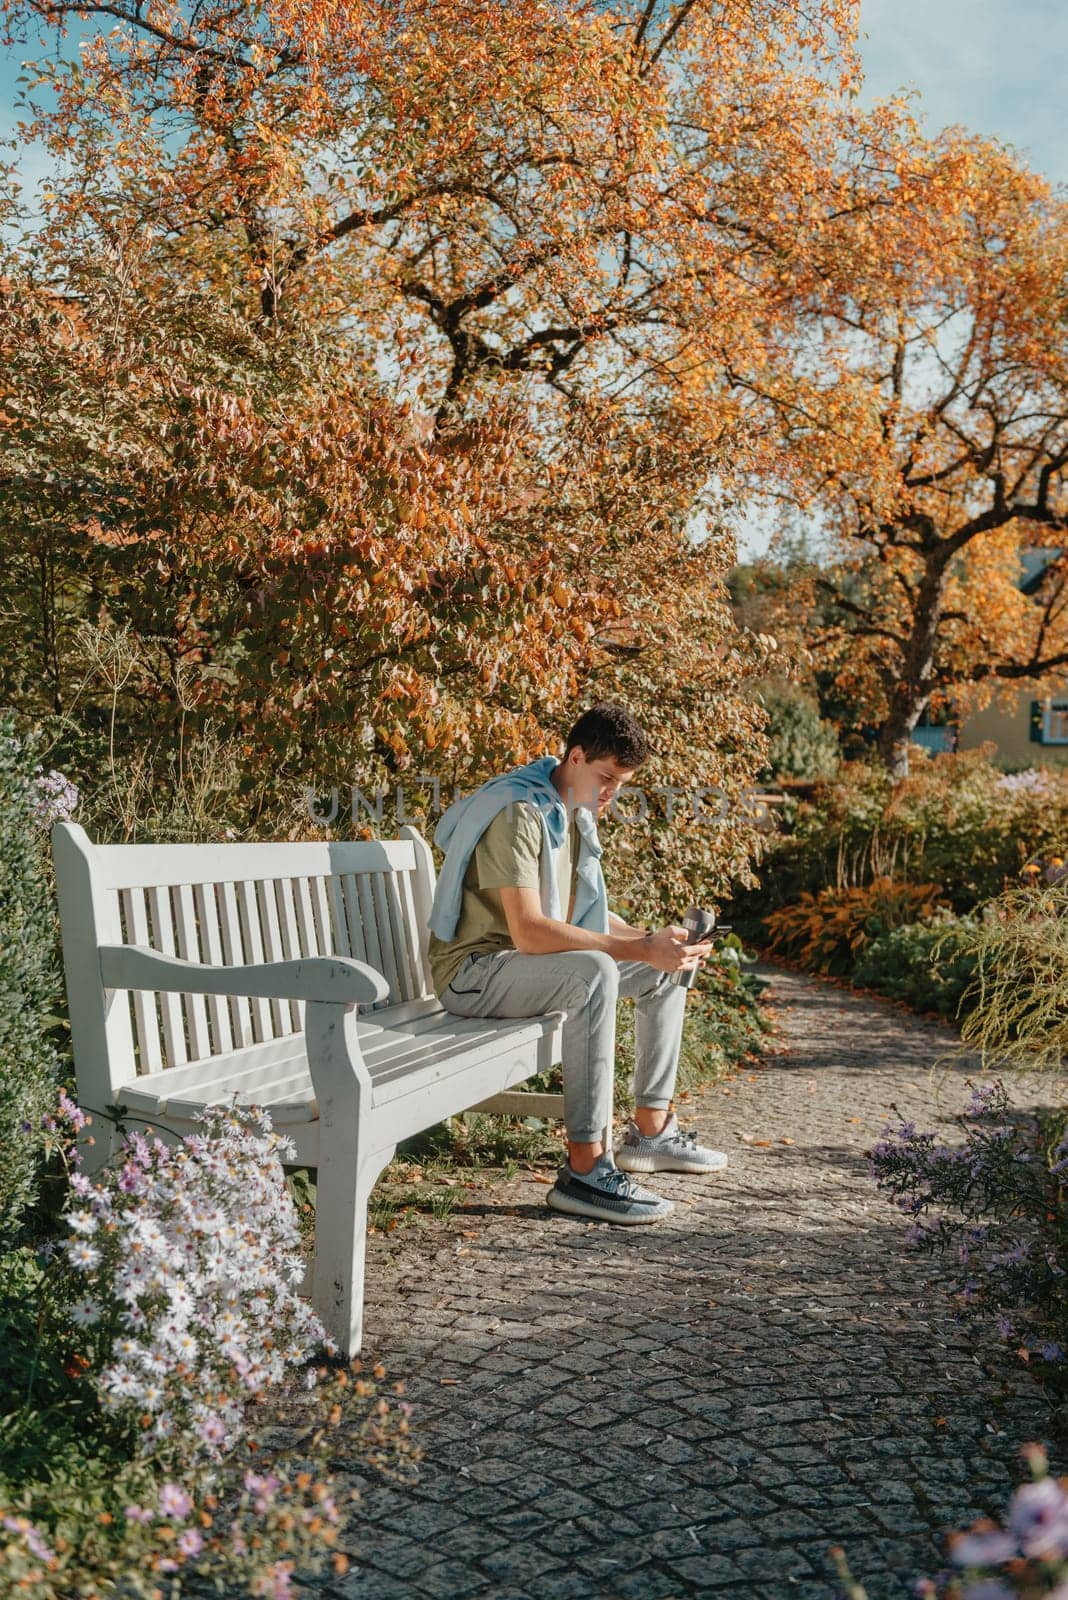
1055,722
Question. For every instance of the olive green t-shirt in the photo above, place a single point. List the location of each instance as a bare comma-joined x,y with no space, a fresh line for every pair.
507,856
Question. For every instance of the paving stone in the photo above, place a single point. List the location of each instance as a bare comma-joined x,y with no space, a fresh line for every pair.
702,1408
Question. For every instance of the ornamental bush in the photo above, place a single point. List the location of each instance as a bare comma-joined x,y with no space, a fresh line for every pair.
181,1269
830,931
1018,996
956,820
801,743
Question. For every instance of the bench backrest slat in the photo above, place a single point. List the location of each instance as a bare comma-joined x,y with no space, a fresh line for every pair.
207,908
163,938
232,905
240,1005
391,965
146,1016
196,1006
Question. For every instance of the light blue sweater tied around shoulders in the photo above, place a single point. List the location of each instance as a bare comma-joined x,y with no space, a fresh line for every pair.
464,822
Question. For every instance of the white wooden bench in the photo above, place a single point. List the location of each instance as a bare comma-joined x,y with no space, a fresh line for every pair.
297,976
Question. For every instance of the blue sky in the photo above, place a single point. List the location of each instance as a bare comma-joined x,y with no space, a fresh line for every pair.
997,66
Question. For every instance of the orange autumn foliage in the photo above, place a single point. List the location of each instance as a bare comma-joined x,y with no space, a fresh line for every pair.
924,419
369,361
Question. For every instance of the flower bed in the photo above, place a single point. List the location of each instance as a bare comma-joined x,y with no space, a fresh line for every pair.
992,1209
136,1348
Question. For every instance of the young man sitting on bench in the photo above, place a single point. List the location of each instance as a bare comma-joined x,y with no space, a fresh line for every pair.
520,925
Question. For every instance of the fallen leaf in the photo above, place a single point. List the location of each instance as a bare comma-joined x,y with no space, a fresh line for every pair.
541,1177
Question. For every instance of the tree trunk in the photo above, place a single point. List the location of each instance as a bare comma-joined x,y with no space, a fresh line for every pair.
910,694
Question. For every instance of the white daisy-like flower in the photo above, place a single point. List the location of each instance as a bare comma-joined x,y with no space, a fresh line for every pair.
180,1299
85,1313
152,1395
83,1255
183,1344
120,1383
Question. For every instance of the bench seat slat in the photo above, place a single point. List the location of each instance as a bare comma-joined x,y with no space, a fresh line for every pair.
400,1063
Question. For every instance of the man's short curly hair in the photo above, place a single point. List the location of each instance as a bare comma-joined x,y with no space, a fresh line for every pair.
608,729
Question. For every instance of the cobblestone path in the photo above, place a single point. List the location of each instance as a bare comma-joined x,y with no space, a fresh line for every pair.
700,1408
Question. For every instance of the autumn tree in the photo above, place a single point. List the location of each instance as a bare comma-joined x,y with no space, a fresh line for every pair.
924,423
386,351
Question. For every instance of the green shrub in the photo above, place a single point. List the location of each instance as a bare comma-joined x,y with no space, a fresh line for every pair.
802,744
927,964
724,1022
955,820
29,977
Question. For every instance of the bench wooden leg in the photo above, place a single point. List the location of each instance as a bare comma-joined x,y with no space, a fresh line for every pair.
341,1247
348,1166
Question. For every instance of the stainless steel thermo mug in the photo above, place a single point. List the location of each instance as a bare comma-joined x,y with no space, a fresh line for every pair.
698,924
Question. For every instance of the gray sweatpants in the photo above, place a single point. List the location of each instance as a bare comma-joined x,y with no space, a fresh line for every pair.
585,984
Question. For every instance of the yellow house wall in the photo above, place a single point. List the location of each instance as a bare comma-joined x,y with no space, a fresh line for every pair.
1010,732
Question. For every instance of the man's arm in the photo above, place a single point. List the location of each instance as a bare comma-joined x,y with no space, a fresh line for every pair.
532,932
622,929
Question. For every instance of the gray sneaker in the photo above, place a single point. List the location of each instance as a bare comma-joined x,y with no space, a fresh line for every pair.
670,1151
605,1194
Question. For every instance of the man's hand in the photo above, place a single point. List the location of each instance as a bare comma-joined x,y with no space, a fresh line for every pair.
668,951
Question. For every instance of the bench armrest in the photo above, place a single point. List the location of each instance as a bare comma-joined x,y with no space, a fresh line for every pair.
337,979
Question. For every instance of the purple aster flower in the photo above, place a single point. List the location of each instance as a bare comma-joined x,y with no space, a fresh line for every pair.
984,1549
174,1502
1038,1516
